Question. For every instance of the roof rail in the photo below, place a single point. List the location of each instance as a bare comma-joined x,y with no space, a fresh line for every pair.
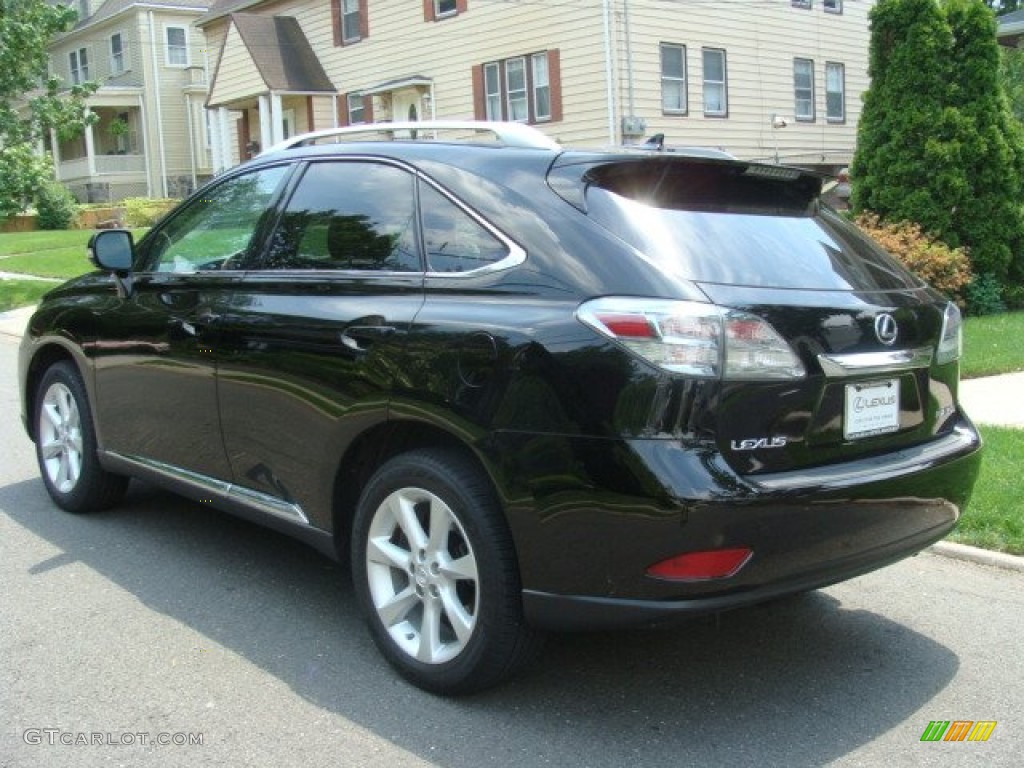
508,134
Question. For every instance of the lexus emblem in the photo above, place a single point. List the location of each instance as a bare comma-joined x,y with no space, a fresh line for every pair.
885,328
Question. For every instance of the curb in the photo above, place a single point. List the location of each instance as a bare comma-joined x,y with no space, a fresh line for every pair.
975,555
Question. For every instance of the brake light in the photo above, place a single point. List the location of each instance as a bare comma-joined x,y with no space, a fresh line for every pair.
701,566
695,339
951,343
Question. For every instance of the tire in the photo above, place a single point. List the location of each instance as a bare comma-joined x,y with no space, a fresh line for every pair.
435,573
66,445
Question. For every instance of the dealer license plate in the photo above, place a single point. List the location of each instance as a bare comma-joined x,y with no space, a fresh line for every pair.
872,408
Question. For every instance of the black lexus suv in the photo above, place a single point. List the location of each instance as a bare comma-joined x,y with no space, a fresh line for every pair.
520,388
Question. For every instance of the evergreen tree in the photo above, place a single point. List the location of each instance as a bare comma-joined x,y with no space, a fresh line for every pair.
908,165
990,221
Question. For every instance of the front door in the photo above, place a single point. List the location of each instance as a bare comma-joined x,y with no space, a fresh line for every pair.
157,360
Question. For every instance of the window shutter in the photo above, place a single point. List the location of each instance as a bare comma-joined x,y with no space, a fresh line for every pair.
460,6
310,114
336,22
368,108
343,109
364,19
555,83
479,103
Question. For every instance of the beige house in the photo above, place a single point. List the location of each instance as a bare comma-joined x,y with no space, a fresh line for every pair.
151,137
775,78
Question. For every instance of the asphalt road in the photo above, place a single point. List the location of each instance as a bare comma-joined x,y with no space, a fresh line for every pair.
166,620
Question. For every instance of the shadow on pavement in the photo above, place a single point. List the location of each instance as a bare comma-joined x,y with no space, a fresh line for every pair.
796,682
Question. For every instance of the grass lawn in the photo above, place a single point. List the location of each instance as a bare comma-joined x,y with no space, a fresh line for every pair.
18,293
992,344
994,518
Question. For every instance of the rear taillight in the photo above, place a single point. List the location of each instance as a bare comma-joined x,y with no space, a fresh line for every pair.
951,343
686,337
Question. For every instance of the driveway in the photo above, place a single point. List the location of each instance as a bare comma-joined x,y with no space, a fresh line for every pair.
165,619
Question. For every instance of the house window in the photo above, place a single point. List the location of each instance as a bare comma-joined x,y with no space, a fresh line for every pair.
356,103
79,66
492,91
435,10
350,21
541,87
835,92
716,96
673,79
803,89
833,6
801,3
177,46
526,89
515,95
116,54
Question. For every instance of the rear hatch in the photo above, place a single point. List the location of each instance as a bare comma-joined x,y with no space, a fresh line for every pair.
815,347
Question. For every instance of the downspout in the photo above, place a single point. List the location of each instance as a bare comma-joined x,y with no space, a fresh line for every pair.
609,73
144,118
629,57
159,110
191,138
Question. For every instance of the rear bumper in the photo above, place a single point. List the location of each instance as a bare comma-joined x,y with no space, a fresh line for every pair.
580,612
585,563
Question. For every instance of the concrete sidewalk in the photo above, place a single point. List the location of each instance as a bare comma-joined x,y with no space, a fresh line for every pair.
995,400
12,323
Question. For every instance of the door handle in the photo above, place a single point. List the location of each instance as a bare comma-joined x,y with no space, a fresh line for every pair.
359,338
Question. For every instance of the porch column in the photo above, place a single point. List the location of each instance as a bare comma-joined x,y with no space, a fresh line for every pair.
90,150
223,153
266,123
55,144
277,117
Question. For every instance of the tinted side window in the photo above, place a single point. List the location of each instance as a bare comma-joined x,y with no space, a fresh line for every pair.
349,215
216,230
454,240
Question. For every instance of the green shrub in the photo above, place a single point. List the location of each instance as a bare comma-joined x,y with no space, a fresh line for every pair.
55,206
946,269
145,211
985,295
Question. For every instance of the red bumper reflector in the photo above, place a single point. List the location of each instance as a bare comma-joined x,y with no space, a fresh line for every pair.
697,566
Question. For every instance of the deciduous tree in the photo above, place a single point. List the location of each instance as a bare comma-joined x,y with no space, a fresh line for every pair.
31,101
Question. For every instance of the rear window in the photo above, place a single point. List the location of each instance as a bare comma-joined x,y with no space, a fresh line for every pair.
737,224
